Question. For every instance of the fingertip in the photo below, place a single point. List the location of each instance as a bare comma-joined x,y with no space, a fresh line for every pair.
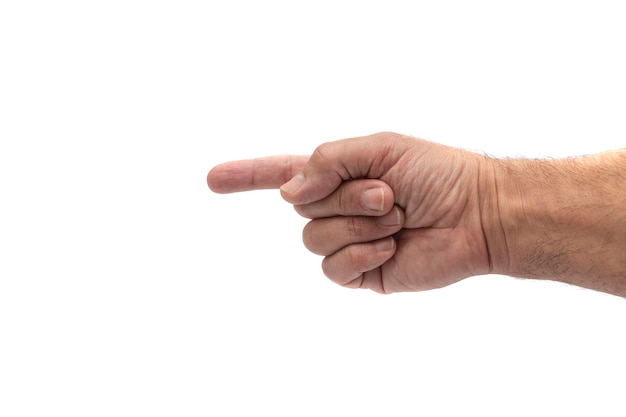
373,199
211,182
300,209
394,218
377,198
312,183
289,189
388,198
386,244
214,180
351,261
288,198
300,190
401,215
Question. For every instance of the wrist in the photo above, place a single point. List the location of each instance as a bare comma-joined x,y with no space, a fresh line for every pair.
559,219
493,213
517,208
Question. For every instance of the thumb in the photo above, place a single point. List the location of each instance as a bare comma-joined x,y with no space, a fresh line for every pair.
335,162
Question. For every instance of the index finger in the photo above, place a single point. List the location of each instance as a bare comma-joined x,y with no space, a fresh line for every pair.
255,174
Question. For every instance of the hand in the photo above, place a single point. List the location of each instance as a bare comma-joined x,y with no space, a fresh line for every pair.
431,192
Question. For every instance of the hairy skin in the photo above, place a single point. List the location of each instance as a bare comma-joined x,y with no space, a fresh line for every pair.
459,214
566,220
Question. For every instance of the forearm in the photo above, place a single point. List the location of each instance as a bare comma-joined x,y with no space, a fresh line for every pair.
562,220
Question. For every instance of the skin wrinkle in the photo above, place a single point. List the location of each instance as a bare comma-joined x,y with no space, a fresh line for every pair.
382,283
481,208
255,163
355,259
341,201
288,170
448,210
320,153
386,152
353,227
361,279
499,222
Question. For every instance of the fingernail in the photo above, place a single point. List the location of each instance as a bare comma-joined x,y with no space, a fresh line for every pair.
373,199
293,184
385,244
390,219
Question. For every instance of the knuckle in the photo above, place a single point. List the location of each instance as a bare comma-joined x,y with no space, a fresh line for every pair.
338,270
302,210
327,156
322,152
354,283
353,227
354,257
341,200
327,269
308,237
387,135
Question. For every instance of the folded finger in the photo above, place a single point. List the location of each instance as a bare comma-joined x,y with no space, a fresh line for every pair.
364,197
348,266
327,235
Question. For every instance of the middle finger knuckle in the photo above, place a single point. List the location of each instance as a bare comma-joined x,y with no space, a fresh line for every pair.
353,226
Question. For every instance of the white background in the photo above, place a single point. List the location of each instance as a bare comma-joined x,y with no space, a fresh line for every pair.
127,288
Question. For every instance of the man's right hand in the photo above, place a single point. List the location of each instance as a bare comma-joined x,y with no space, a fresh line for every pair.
438,192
